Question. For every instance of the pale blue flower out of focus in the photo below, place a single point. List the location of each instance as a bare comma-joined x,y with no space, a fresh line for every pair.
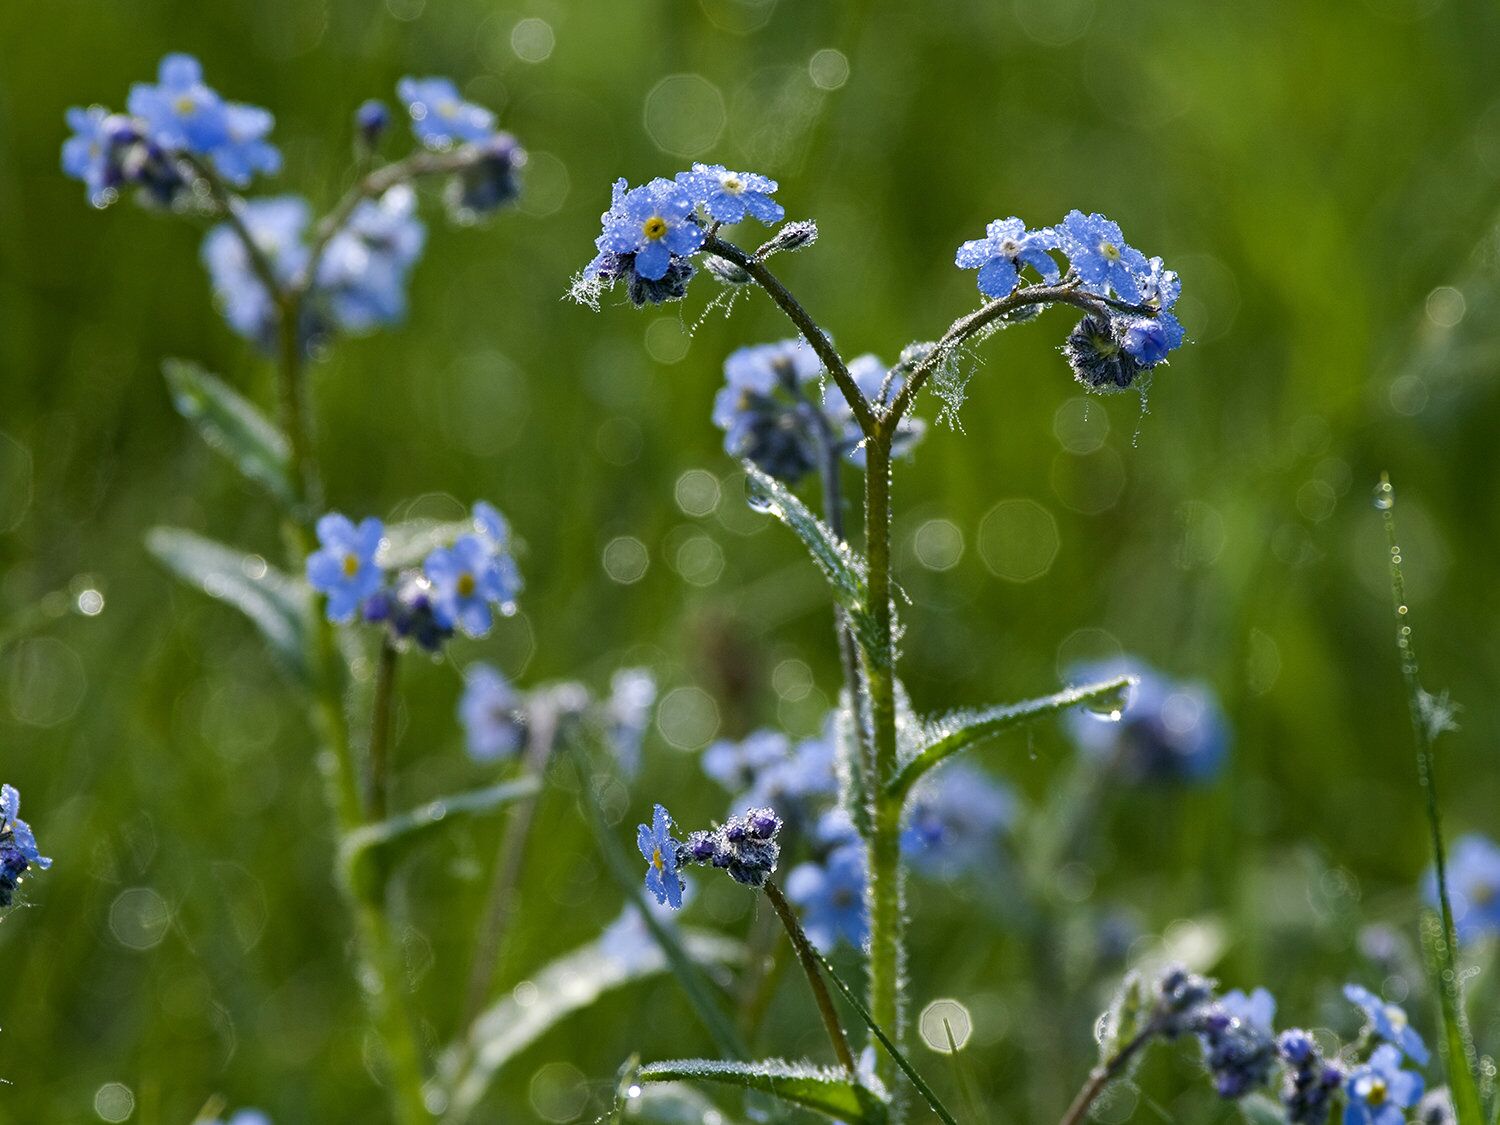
1473,886
276,225
632,694
1006,248
1166,732
363,273
1389,1023
831,895
730,196
765,408
660,853
879,387
470,580
440,118
344,567
1098,253
1380,1092
954,820
183,114
492,713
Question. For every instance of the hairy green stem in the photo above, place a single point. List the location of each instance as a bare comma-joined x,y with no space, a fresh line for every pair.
809,959
377,794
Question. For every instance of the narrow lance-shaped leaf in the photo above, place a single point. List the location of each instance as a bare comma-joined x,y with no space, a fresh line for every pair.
418,821
233,426
963,729
625,953
274,602
830,1092
844,570
409,542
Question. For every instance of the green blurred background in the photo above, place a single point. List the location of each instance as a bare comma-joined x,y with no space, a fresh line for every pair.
1324,178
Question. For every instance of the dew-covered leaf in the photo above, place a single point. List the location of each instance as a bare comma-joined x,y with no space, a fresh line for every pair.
841,566
960,730
830,1092
623,954
274,602
1128,1015
418,821
233,426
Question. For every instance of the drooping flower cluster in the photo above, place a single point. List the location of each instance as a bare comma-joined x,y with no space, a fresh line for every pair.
1242,1052
1108,350
773,415
353,278
744,846
1167,731
18,851
1473,886
458,587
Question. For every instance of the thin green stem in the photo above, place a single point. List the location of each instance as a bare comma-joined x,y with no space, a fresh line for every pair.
1066,292
816,338
509,861
377,796
1427,724
808,957
1102,1075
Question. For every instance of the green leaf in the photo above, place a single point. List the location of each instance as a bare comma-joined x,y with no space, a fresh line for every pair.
418,821
625,953
274,602
1261,1109
233,426
409,542
828,1091
963,729
841,566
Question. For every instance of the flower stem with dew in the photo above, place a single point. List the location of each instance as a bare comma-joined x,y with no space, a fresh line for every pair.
809,960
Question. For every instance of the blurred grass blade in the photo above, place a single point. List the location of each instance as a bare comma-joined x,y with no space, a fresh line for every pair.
1430,717
273,601
928,1095
409,542
625,953
415,823
844,570
232,425
627,876
963,729
823,1089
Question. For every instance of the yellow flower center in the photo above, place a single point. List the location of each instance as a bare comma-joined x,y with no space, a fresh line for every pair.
351,565
466,585
656,860
732,184
1375,1095
655,227
1396,1016
447,109
185,105
1110,251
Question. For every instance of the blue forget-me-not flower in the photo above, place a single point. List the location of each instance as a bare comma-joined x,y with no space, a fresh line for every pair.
1380,1092
470,580
18,850
1006,248
728,197
440,118
1473,886
1388,1023
831,895
1099,255
492,713
954,820
276,225
659,850
1166,732
343,567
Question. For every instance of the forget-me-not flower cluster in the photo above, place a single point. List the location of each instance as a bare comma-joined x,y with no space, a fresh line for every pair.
18,850
744,846
459,587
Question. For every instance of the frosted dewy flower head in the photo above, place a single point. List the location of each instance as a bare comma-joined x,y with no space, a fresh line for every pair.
1098,253
659,850
18,848
729,197
1006,249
